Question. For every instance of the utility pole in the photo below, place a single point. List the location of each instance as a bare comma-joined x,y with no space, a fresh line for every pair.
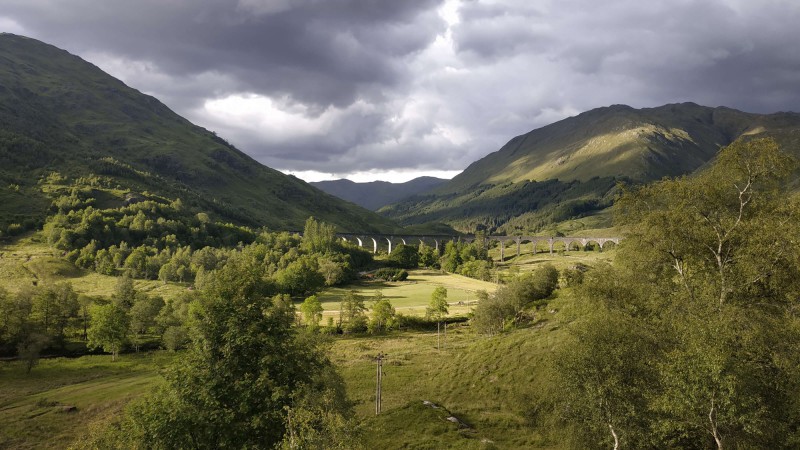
438,326
378,380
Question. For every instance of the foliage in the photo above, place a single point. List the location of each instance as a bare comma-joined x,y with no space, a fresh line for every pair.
428,256
318,237
390,274
491,313
703,296
509,305
468,259
312,311
245,369
438,307
352,315
605,383
383,314
404,256
108,329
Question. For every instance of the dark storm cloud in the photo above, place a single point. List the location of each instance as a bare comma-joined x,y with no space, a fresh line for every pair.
349,85
317,52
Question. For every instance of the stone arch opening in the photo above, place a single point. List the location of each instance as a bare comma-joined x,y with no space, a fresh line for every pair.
592,245
610,244
574,246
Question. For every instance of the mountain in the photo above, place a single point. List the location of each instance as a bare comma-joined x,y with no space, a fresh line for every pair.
375,194
569,169
59,113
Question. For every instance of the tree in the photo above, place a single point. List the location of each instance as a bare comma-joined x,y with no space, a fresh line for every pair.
351,313
143,315
52,307
124,292
604,381
544,280
404,256
15,310
318,237
491,313
84,303
704,291
428,256
243,371
108,329
301,276
437,308
312,311
451,259
383,314
30,348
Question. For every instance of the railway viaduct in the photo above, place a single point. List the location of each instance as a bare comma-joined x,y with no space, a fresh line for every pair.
435,240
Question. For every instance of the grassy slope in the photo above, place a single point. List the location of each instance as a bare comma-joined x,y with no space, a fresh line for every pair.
642,144
60,113
31,405
487,382
29,259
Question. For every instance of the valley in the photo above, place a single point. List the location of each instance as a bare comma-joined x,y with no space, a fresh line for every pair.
622,278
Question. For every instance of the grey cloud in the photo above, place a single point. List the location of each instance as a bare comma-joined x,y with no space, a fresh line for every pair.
319,52
397,88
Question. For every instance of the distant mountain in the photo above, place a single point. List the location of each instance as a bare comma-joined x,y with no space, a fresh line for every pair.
376,194
569,169
59,113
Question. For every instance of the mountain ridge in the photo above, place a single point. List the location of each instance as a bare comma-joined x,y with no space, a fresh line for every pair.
567,170
375,194
698,130
59,113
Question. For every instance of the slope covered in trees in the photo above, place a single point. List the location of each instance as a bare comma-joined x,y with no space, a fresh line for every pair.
59,113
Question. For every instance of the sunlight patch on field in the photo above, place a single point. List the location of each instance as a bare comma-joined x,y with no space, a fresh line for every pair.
410,297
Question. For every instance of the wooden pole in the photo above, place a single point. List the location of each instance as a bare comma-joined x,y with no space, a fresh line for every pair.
378,382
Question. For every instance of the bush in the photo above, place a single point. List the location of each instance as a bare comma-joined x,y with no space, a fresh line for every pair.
390,274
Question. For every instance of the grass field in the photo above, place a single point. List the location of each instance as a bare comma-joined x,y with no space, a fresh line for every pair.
32,410
410,297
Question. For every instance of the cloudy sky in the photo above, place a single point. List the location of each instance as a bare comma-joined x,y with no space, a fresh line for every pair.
391,89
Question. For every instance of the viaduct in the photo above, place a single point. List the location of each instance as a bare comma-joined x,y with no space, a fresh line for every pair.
435,240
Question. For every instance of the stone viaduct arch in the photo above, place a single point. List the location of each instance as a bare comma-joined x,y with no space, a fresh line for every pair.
391,241
517,241
437,241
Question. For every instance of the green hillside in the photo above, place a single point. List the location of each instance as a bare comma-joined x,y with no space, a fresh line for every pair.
59,113
569,169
